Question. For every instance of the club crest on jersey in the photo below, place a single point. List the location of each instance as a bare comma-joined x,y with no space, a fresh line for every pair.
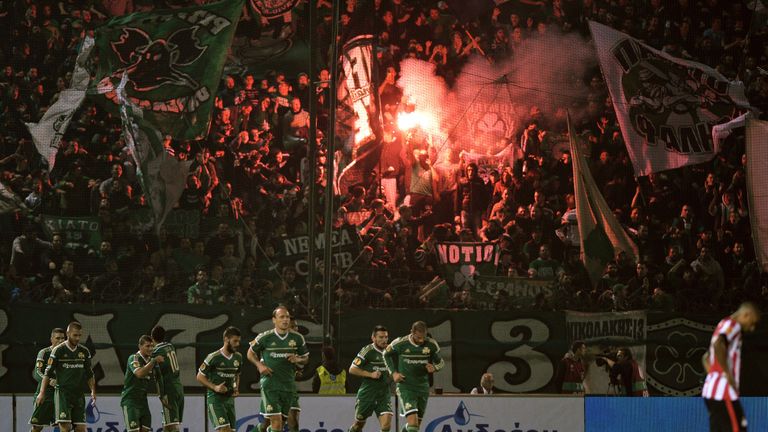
221,420
134,424
425,350
292,343
63,415
272,344
407,350
237,363
80,355
269,408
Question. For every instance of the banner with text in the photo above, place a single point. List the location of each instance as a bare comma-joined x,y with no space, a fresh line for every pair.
345,245
605,333
462,263
77,231
520,291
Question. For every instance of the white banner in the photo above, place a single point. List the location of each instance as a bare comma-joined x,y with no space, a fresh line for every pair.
503,414
487,163
666,106
6,413
757,193
48,131
329,413
108,415
605,333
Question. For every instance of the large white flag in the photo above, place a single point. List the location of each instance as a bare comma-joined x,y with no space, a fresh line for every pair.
601,234
48,131
757,193
666,106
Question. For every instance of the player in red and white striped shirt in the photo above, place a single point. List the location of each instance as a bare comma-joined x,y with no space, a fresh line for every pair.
723,363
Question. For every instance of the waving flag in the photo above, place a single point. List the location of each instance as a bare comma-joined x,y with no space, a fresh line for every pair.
757,177
175,59
666,106
162,177
47,133
601,234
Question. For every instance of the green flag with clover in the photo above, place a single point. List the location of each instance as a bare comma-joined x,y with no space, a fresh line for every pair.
175,59
601,234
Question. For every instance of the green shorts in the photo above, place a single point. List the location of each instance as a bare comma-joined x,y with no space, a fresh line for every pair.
137,415
411,401
44,414
365,406
274,402
222,412
173,413
69,407
295,402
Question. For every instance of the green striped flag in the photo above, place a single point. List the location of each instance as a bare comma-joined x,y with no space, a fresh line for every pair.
601,235
162,177
175,59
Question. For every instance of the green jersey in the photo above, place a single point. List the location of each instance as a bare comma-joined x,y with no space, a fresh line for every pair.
71,367
370,359
220,369
273,350
40,364
135,388
167,372
409,359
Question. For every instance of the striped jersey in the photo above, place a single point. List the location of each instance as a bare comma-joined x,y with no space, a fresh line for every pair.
716,385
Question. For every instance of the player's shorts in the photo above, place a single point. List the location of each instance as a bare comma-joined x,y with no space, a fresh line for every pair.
365,406
44,415
726,416
173,413
274,402
411,402
222,412
295,402
137,415
69,407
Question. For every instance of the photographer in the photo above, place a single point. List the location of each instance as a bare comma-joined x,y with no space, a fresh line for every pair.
624,372
571,370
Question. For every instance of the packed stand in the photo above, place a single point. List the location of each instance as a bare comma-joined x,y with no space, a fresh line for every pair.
248,179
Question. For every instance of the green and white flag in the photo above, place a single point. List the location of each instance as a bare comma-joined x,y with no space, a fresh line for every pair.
601,234
175,59
162,177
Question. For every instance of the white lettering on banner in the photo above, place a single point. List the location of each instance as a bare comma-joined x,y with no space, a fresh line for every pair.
466,253
107,415
3,326
529,369
602,331
96,327
189,326
300,245
503,414
442,334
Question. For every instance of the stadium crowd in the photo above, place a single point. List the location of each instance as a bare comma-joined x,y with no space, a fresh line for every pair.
248,179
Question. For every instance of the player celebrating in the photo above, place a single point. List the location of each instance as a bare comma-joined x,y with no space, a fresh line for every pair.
373,395
723,363
138,378
410,359
220,374
70,364
277,353
43,414
168,382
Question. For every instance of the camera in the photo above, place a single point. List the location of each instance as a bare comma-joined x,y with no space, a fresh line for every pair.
600,359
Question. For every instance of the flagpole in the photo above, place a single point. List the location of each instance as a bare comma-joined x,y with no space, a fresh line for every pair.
329,175
312,156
